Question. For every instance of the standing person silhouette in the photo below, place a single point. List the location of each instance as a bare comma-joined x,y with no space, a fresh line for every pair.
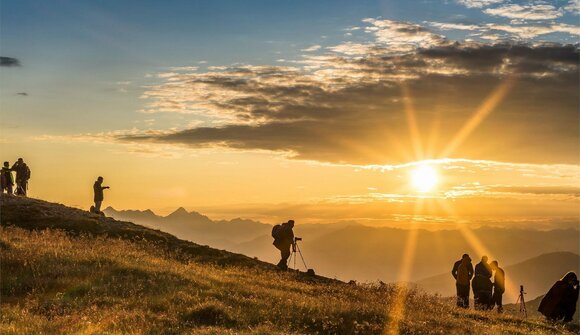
498,286
482,285
7,179
99,197
22,176
463,272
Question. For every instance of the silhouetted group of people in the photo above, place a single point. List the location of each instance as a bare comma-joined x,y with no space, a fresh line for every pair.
486,293
558,304
7,181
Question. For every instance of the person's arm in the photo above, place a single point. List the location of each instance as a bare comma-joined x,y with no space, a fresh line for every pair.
454,270
470,273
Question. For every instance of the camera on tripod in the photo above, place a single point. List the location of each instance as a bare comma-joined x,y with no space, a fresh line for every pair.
296,239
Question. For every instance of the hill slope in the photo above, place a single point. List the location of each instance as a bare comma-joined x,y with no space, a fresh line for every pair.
351,251
536,274
65,271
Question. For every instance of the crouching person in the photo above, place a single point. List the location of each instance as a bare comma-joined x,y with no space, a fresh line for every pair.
560,301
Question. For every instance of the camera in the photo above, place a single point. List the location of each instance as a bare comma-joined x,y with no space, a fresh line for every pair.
296,239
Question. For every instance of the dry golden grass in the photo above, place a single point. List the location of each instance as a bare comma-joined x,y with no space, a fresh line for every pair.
54,283
109,279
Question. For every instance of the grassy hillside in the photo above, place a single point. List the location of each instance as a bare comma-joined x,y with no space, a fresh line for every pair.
64,271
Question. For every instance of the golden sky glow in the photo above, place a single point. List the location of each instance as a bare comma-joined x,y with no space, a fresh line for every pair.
357,127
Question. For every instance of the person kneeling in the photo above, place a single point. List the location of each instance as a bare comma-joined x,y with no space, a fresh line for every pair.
560,301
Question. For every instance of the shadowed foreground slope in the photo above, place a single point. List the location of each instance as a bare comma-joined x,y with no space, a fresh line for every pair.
66,271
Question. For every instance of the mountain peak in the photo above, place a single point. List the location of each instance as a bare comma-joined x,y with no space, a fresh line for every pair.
179,212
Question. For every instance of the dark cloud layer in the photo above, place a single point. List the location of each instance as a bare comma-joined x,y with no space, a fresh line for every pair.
349,104
9,61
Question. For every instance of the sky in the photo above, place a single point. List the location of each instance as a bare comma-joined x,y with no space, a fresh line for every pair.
323,111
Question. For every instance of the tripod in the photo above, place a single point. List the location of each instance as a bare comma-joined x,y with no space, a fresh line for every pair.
296,248
522,301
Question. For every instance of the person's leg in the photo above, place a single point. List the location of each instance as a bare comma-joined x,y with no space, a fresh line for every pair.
463,296
98,206
498,302
10,189
285,253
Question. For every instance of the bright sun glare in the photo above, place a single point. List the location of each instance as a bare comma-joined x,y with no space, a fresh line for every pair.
424,178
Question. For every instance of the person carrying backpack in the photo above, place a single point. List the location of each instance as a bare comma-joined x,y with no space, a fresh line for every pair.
283,239
463,272
22,176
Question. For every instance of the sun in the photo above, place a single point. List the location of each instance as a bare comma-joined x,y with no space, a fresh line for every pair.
424,178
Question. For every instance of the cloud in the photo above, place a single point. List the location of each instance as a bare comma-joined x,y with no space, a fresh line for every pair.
478,3
315,47
9,61
24,94
349,104
573,7
539,190
514,31
535,11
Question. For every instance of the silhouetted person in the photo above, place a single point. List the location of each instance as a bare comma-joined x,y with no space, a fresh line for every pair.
463,272
482,286
22,176
560,301
6,179
283,240
498,286
99,197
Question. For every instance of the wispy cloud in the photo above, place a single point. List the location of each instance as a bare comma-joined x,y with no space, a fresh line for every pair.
312,48
573,7
479,3
514,31
9,61
534,11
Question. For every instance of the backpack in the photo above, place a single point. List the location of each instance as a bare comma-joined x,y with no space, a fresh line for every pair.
463,274
277,231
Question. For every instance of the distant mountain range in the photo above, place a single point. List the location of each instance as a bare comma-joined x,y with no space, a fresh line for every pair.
193,226
353,251
537,274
